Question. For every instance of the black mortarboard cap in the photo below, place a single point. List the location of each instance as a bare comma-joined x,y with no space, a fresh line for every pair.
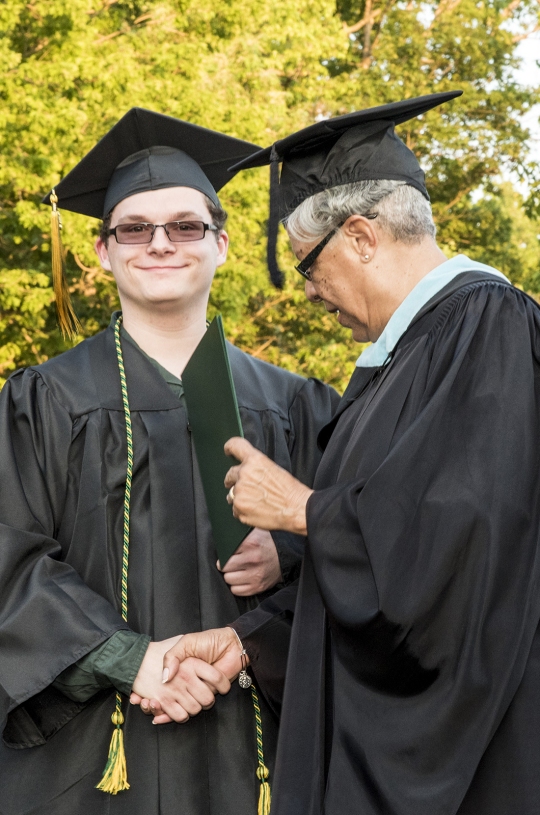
359,146
149,151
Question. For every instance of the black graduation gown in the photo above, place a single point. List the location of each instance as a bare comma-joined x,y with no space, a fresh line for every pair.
413,684
63,470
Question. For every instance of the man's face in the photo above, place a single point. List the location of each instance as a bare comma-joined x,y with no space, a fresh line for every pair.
162,273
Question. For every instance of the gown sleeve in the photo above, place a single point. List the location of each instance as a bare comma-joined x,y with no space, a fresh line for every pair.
114,663
265,633
311,410
49,618
427,560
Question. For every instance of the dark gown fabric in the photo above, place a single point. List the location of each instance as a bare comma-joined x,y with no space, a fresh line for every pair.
413,683
63,470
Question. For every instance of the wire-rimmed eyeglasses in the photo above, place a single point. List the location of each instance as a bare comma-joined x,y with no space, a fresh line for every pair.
176,231
304,267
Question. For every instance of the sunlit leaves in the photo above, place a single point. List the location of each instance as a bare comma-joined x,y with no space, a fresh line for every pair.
70,68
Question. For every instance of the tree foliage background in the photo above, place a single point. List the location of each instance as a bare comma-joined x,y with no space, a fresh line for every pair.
256,70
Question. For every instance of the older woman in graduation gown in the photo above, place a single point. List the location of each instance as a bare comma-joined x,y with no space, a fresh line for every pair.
414,661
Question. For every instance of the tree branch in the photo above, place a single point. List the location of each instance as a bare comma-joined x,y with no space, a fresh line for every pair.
456,199
81,265
270,304
509,10
444,7
352,29
380,24
259,350
527,34
447,7
101,40
366,50
143,18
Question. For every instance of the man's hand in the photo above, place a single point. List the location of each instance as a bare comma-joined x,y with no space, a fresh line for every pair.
264,494
254,567
193,689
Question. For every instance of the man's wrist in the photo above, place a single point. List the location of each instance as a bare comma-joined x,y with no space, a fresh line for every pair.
113,663
121,660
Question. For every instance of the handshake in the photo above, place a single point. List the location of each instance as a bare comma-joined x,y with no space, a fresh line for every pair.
181,676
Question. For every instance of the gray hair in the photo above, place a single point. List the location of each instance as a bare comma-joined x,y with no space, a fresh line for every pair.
402,210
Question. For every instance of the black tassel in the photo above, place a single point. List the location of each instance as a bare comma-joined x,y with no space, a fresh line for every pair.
276,275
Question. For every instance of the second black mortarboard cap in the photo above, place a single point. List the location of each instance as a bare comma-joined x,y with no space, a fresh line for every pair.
359,146
148,151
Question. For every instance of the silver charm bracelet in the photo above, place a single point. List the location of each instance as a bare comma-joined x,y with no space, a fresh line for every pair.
244,680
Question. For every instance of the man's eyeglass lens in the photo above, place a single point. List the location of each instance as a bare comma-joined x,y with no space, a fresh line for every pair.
177,231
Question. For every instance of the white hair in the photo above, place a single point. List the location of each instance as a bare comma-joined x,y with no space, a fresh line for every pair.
402,210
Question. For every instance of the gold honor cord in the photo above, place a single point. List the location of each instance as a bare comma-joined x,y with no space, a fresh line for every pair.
262,769
115,773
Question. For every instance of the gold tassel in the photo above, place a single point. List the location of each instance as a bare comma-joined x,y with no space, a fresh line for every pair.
115,773
67,319
264,796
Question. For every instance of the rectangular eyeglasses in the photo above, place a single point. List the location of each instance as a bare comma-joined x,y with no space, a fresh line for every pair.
176,231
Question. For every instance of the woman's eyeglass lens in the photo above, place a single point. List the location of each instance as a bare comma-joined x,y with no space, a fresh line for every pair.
304,267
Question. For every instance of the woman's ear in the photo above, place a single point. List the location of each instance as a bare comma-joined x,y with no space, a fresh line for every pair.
363,233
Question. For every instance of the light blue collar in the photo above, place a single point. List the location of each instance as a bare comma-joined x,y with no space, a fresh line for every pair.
377,354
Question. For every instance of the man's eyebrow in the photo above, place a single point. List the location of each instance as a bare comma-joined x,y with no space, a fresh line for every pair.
190,215
178,216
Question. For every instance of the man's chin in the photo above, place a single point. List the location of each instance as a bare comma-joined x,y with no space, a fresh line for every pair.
161,302
166,296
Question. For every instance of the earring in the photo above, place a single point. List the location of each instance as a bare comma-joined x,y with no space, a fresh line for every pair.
366,257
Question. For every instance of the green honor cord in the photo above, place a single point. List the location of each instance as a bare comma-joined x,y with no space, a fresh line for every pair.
262,769
115,773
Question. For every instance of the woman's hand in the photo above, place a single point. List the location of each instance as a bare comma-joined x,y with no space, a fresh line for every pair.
262,493
191,688
218,649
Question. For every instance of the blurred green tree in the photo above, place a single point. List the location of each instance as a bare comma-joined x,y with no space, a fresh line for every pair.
70,68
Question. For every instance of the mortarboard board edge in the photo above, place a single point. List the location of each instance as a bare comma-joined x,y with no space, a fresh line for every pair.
424,104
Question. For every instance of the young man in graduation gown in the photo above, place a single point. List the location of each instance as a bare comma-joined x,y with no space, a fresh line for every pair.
66,645
413,681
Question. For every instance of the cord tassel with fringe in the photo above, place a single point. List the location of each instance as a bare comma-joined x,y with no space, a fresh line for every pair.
65,314
265,798
115,774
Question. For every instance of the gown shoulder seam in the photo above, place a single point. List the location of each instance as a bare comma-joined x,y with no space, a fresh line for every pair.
460,294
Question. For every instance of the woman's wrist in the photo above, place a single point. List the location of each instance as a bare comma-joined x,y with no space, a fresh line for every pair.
244,658
295,514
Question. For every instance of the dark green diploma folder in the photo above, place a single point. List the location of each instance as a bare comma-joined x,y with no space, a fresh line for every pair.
214,418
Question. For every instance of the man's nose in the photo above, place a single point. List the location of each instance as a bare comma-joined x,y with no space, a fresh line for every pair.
160,241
